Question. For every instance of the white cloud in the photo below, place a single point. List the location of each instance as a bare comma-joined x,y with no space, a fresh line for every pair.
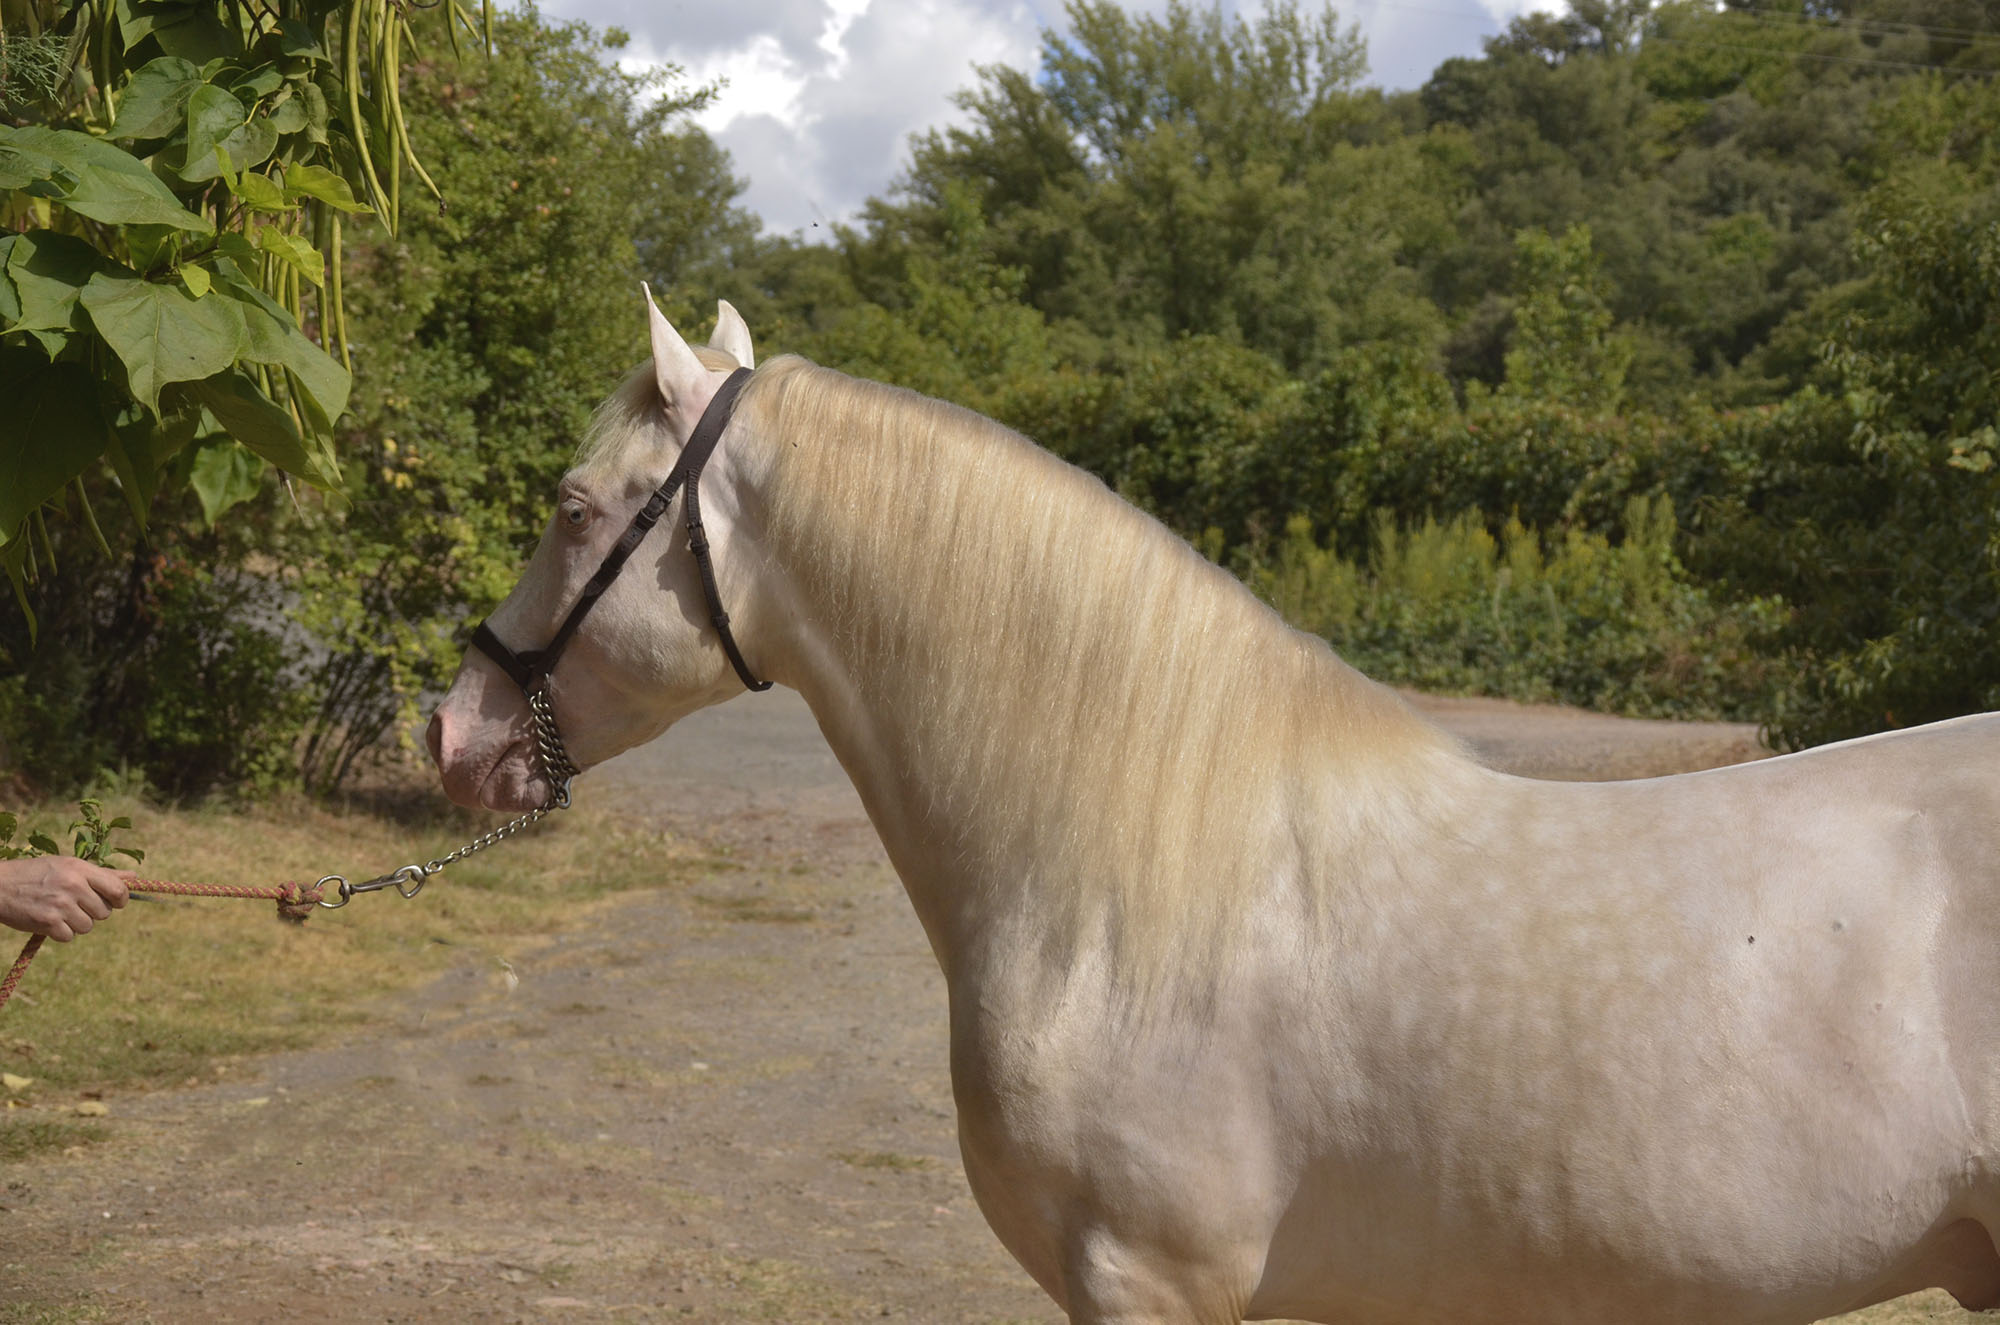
1407,41
823,95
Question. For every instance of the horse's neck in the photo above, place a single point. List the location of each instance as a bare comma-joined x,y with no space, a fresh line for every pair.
1084,765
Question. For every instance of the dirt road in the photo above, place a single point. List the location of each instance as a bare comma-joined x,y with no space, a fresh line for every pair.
720,1102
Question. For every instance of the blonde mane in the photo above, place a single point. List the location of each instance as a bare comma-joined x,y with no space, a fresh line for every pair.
1075,681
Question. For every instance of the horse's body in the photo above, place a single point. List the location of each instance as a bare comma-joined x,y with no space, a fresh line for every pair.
1267,1000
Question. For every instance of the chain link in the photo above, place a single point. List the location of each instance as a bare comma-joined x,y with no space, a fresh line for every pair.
556,766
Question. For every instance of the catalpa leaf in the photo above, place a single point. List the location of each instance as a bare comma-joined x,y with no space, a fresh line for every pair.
323,184
295,251
52,429
154,103
110,185
224,474
194,32
258,193
161,332
217,119
49,271
288,114
264,426
318,113
270,336
296,39
35,173
10,298
212,115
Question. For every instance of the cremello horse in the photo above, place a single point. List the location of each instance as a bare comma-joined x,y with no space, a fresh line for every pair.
1266,999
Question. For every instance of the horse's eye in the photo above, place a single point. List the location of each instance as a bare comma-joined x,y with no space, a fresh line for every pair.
574,513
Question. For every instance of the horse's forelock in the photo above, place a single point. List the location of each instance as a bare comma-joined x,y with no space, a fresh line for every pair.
631,424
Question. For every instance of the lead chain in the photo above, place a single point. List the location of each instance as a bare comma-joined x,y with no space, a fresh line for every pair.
556,767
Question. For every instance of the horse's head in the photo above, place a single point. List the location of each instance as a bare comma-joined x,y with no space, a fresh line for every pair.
646,654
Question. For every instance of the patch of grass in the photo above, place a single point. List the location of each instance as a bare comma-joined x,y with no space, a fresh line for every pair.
882,1159
760,910
20,1312
168,992
23,1136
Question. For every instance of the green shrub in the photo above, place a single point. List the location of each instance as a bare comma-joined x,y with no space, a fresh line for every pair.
1580,619
158,668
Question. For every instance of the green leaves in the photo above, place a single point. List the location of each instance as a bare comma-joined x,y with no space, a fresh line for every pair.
271,337
260,423
295,252
126,288
155,102
48,271
35,173
162,333
309,181
100,181
224,474
219,130
258,193
52,430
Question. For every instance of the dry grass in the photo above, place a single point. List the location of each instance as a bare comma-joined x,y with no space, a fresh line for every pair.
170,991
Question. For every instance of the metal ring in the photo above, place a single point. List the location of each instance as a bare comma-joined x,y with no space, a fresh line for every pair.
341,892
414,875
560,800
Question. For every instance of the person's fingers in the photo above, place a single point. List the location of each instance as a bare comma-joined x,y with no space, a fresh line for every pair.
114,886
93,905
60,931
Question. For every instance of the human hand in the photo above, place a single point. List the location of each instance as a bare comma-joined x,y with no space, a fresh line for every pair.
59,896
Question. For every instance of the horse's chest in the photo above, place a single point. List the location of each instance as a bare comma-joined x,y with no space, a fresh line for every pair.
1055,1097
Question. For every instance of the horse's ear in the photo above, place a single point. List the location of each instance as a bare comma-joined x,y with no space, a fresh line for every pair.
676,371
732,334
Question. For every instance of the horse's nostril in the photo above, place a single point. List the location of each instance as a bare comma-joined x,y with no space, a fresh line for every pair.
434,738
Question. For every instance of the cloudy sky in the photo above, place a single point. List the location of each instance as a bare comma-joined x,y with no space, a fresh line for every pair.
823,95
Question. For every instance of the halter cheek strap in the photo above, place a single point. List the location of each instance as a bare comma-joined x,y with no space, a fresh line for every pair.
530,670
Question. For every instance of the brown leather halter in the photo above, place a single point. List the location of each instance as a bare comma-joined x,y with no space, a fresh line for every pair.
530,670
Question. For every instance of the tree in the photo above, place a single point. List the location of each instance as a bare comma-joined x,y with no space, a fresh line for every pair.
1189,174
268,636
175,180
1563,347
1874,503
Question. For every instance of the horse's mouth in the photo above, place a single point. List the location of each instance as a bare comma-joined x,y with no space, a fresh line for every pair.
512,782
515,784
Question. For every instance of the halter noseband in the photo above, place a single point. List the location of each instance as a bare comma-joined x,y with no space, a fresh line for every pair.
530,670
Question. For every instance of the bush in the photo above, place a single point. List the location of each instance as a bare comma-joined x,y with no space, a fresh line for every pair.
1579,619
158,666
